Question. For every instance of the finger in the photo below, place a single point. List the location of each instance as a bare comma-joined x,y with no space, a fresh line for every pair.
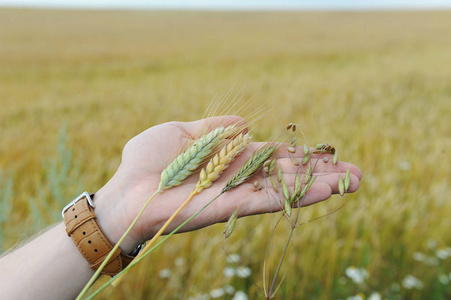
266,201
288,160
319,166
332,181
326,174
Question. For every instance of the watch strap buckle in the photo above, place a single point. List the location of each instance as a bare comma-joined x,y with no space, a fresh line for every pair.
81,196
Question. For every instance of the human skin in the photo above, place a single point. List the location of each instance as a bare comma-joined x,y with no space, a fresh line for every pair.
51,267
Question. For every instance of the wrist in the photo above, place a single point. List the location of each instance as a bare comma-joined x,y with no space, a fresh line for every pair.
111,218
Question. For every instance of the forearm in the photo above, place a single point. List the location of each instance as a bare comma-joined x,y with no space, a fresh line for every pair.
51,266
48,267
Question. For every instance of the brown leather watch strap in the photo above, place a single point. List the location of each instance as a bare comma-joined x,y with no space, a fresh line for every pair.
82,227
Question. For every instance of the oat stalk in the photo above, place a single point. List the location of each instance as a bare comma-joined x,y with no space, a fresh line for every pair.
287,209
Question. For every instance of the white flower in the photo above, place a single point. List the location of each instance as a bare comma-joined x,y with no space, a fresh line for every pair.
375,296
356,297
240,295
432,244
357,275
216,293
432,261
229,272
180,261
410,282
443,279
418,256
244,272
229,289
165,273
443,253
233,258
405,165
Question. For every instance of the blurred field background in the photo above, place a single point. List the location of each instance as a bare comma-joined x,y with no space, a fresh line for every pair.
75,86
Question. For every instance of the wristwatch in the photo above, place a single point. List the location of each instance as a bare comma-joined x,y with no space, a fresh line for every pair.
82,226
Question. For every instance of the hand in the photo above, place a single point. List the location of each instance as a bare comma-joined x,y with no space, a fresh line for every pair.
146,155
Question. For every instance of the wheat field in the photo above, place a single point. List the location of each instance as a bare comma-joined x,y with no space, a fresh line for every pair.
75,86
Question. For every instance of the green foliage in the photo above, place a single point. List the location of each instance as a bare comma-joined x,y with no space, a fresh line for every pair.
61,182
6,192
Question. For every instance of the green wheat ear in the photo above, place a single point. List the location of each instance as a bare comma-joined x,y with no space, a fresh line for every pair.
250,167
187,163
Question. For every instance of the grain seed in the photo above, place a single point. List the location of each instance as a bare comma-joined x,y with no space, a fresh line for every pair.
347,179
274,184
311,182
306,158
308,174
279,174
291,149
341,186
230,224
272,166
297,188
286,193
288,207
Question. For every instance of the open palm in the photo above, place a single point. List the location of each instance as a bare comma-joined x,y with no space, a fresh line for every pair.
149,153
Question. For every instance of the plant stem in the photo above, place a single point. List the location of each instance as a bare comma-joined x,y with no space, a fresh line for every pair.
141,257
158,234
280,264
107,259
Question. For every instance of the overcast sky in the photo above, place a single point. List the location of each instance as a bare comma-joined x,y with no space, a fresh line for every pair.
231,4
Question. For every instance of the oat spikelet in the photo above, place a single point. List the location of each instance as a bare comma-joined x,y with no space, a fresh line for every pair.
274,184
335,159
187,162
306,158
305,149
250,167
230,224
341,186
297,188
308,173
347,179
221,161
